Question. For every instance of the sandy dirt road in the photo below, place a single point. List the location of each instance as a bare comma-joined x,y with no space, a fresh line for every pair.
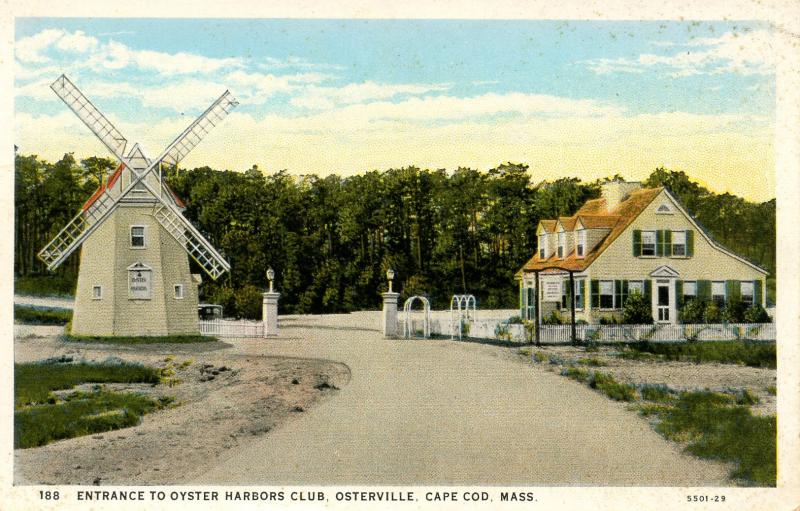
445,413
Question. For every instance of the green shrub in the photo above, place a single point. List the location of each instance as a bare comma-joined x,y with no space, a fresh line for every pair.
249,301
31,315
756,314
659,392
712,313
746,398
733,312
540,357
576,373
514,320
692,311
750,353
606,384
608,320
594,362
552,319
716,428
637,310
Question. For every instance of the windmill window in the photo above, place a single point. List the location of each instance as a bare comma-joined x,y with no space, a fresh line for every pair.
179,291
97,292
137,236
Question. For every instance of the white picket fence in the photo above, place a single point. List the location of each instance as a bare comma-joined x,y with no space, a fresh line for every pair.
500,329
232,328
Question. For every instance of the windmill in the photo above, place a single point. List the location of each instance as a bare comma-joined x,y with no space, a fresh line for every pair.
134,276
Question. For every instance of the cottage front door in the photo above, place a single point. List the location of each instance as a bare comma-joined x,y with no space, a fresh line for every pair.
663,290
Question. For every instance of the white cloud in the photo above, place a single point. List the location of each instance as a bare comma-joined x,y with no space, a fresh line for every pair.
77,42
730,152
745,52
29,49
329,97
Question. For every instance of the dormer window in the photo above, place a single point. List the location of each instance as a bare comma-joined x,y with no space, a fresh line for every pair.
543,246
580,244
562,244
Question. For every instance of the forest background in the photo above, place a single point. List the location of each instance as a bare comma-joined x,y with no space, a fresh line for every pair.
330,239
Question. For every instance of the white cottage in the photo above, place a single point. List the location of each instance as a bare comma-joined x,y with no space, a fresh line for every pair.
633,238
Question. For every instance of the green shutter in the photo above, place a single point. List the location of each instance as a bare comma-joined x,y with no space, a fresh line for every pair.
659,243
582,287
637,243
648,289
733,290
617,294
679,293
668,243
624,292
704,290
757,298
521,300
689,243
595,285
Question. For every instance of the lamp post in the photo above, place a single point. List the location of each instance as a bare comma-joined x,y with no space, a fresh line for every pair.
269,307
389,318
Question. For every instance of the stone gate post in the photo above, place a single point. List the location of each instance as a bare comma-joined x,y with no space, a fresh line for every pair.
389,317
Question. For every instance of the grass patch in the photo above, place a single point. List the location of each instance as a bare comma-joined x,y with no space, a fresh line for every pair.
657,392
715,427
749,353
540,357
576,373
772,390
156,339
593,362
45,285
31,315
606,384
747,398
40,417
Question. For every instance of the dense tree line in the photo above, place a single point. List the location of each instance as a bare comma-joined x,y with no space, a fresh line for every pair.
330,239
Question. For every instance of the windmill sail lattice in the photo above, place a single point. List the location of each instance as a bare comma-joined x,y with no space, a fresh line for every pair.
167,214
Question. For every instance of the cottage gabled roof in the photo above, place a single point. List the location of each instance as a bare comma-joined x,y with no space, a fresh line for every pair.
548,225
109,184
594,213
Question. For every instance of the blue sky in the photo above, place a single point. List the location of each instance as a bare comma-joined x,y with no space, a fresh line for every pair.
579,98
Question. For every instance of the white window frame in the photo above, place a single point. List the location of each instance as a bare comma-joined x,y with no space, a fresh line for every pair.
562,244
579,284
144,237
655,242
543,246
99,294
685,254
639,284
580,244
178,290
752,293
601,294
693,294
724,293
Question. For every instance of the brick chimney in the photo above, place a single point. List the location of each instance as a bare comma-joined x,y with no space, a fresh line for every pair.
614,192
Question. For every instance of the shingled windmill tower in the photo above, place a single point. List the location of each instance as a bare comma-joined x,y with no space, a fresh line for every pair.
134,276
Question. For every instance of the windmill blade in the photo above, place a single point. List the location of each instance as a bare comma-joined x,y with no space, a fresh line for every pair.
192,135
90,115
191,240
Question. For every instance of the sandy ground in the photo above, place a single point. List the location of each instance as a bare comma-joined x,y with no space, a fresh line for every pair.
677,375
224,400
406,412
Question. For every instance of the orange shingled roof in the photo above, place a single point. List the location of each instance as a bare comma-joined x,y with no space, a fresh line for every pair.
568,222
113,179
593,213
548,225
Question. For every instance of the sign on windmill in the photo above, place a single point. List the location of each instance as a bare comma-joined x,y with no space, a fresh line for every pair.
134,276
